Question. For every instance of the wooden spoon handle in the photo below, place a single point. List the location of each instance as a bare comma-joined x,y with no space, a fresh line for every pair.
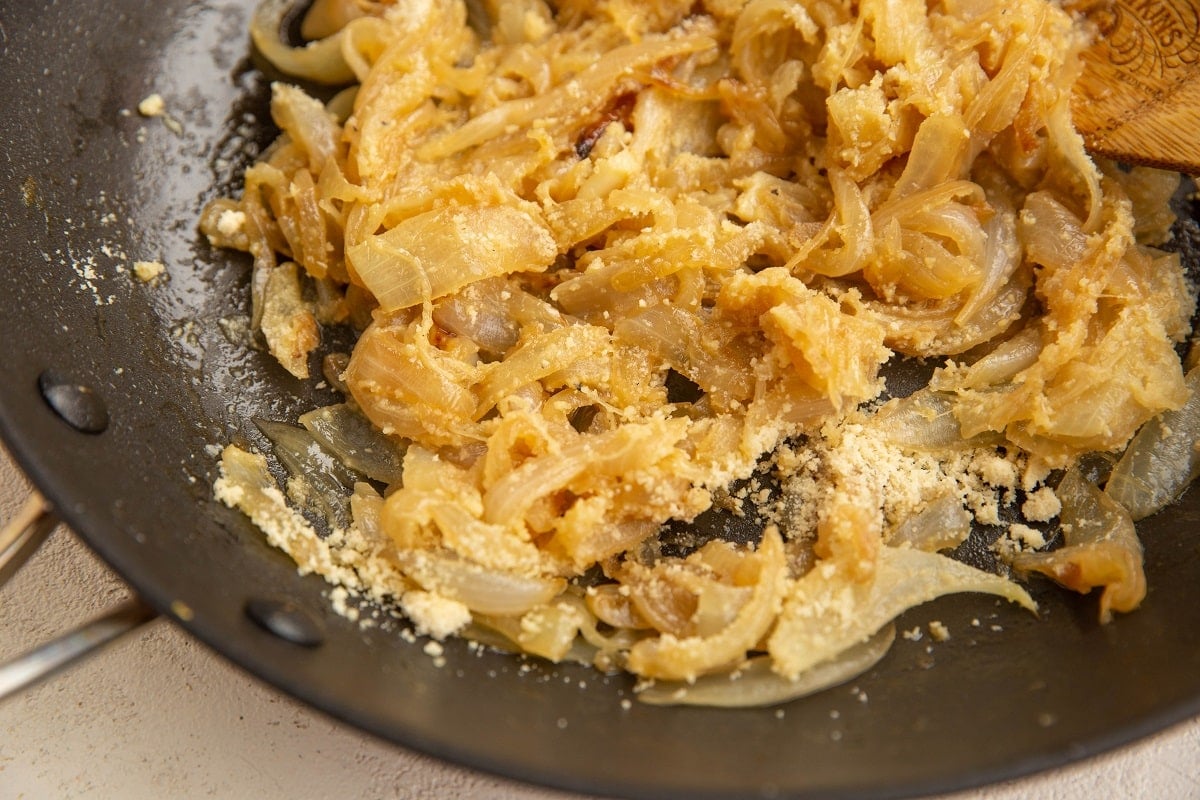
1138,99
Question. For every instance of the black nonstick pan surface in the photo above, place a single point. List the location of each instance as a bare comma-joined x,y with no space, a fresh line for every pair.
88,186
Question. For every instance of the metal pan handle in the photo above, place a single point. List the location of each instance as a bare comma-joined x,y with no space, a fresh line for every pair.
20,539
24,534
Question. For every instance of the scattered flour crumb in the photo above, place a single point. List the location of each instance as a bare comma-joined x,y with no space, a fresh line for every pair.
996,470
152,106
338,597
435,651
1017,539
1026,536
1042,505
1036,471
913,635
231,222
433,614
147,271
938,630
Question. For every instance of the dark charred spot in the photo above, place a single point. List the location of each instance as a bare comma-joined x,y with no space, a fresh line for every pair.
439,337
620,110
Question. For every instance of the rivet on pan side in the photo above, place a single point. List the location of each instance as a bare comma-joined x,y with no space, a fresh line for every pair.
286,620
76,403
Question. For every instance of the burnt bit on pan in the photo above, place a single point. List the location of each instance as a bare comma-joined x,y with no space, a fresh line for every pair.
620,110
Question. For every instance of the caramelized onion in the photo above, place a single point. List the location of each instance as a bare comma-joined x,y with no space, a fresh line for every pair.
941,525
544,235
326,480
359,445
1102,548
319,61
481,590
827,612
755,685
1162,460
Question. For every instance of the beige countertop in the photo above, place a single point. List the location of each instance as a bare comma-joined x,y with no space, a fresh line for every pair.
159,715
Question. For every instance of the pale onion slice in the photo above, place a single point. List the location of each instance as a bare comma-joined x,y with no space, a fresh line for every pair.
924,421
551,632
490,546
361,446
482,631
578,97
481,312
690,344
307,122
433,254
366,506
622,451
287,321
755,684
537,357
548,630
327,483
828,612
1001,364
1161,460
1050,232
844,242
1102,548
1001,258
608,604
319,61
941,525
673,658
939,149
484,591
326,17
931,329
246,484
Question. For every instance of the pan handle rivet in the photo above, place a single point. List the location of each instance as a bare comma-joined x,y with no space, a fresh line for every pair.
76,403
286,620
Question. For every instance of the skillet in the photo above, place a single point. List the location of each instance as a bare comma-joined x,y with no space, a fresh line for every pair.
88,186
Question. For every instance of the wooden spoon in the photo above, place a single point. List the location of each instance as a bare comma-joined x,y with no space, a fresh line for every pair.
1138,99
